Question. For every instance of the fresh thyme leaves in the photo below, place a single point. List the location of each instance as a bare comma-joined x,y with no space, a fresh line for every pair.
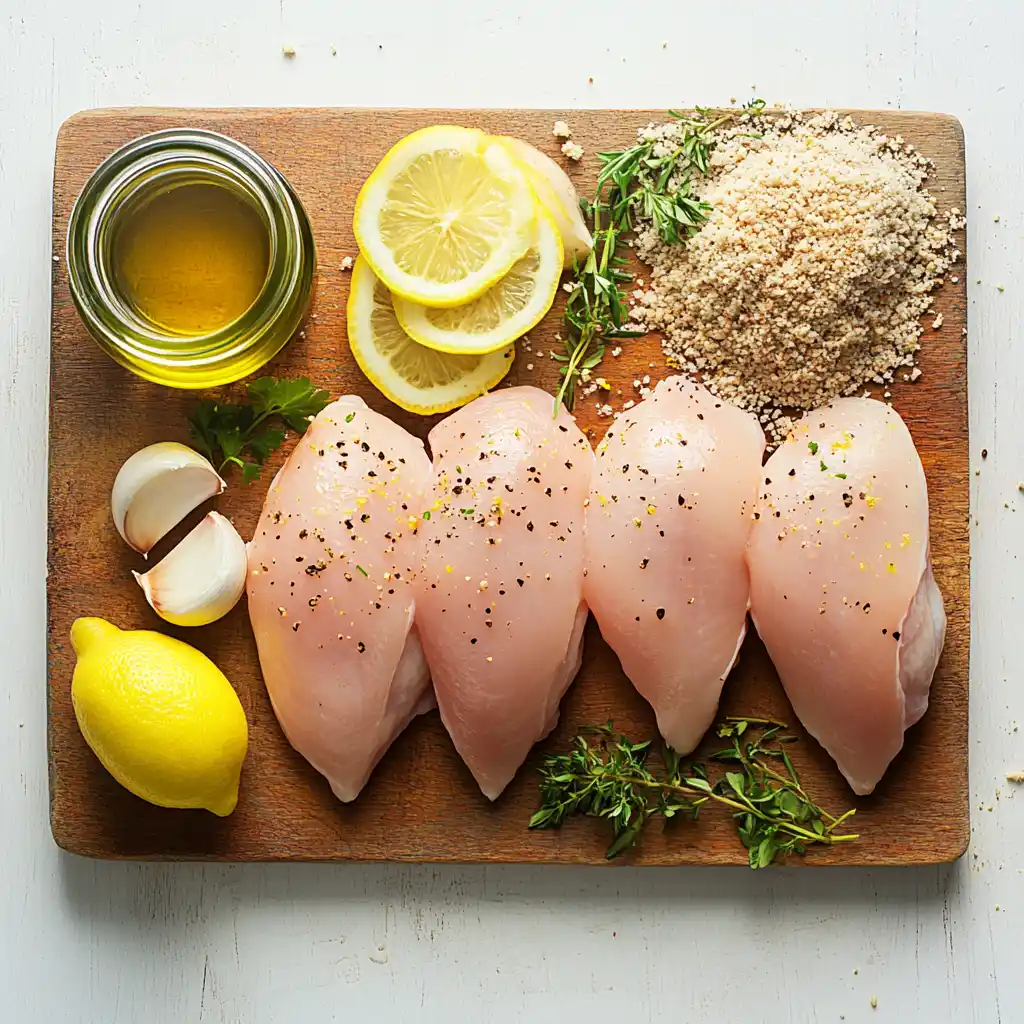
646,180
604,775
241,434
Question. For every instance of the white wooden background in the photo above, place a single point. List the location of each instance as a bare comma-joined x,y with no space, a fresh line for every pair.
116,943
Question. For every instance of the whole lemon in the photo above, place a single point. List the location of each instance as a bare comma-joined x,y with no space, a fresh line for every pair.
160,716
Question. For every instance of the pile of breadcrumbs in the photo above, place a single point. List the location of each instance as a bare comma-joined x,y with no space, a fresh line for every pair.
813,270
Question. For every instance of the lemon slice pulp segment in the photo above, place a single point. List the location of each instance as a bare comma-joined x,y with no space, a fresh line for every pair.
506,311
412,376
444,215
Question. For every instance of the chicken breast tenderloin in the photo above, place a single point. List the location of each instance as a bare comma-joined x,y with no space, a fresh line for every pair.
330,591
670,511
500,600
841,582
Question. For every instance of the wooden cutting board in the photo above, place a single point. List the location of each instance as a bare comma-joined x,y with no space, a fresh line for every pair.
421,803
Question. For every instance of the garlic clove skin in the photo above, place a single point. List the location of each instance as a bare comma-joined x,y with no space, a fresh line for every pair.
156,488
202,578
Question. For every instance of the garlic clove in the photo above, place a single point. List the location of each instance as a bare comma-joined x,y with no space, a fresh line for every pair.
156,488
202,578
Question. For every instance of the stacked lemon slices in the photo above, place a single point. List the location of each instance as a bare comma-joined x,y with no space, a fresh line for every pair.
463,237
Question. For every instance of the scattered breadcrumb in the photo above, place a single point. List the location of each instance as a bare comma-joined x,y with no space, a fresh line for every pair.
347,262
573,150
617,351
915,373
770,303
874,1002
561,130
288,51
938,321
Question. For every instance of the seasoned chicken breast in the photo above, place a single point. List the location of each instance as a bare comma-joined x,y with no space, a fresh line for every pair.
500,601
841,582
670,512
330,591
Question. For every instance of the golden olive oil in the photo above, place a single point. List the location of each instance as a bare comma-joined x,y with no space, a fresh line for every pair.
192,259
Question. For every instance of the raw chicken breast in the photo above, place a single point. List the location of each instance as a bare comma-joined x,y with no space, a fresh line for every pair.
500,601
841,582
330,591
670,512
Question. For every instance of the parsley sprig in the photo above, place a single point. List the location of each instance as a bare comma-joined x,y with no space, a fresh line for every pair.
608,777
642,182
244,434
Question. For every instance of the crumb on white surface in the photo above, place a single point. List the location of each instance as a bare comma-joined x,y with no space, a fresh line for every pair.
288,51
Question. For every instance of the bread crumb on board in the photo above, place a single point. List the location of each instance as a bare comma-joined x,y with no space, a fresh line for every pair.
561,130
767,304
573,150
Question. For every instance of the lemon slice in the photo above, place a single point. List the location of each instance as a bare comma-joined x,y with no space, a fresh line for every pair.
506,311
416,378
556,193
444,215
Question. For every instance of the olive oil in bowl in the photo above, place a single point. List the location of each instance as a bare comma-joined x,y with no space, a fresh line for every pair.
190,259
193,259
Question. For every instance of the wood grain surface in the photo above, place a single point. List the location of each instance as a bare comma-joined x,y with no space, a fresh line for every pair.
421,804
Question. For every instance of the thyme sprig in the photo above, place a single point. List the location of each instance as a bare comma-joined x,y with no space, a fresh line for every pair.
656,184
604,775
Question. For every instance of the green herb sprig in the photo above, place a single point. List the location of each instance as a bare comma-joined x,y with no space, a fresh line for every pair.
604,775
244,434
636,181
